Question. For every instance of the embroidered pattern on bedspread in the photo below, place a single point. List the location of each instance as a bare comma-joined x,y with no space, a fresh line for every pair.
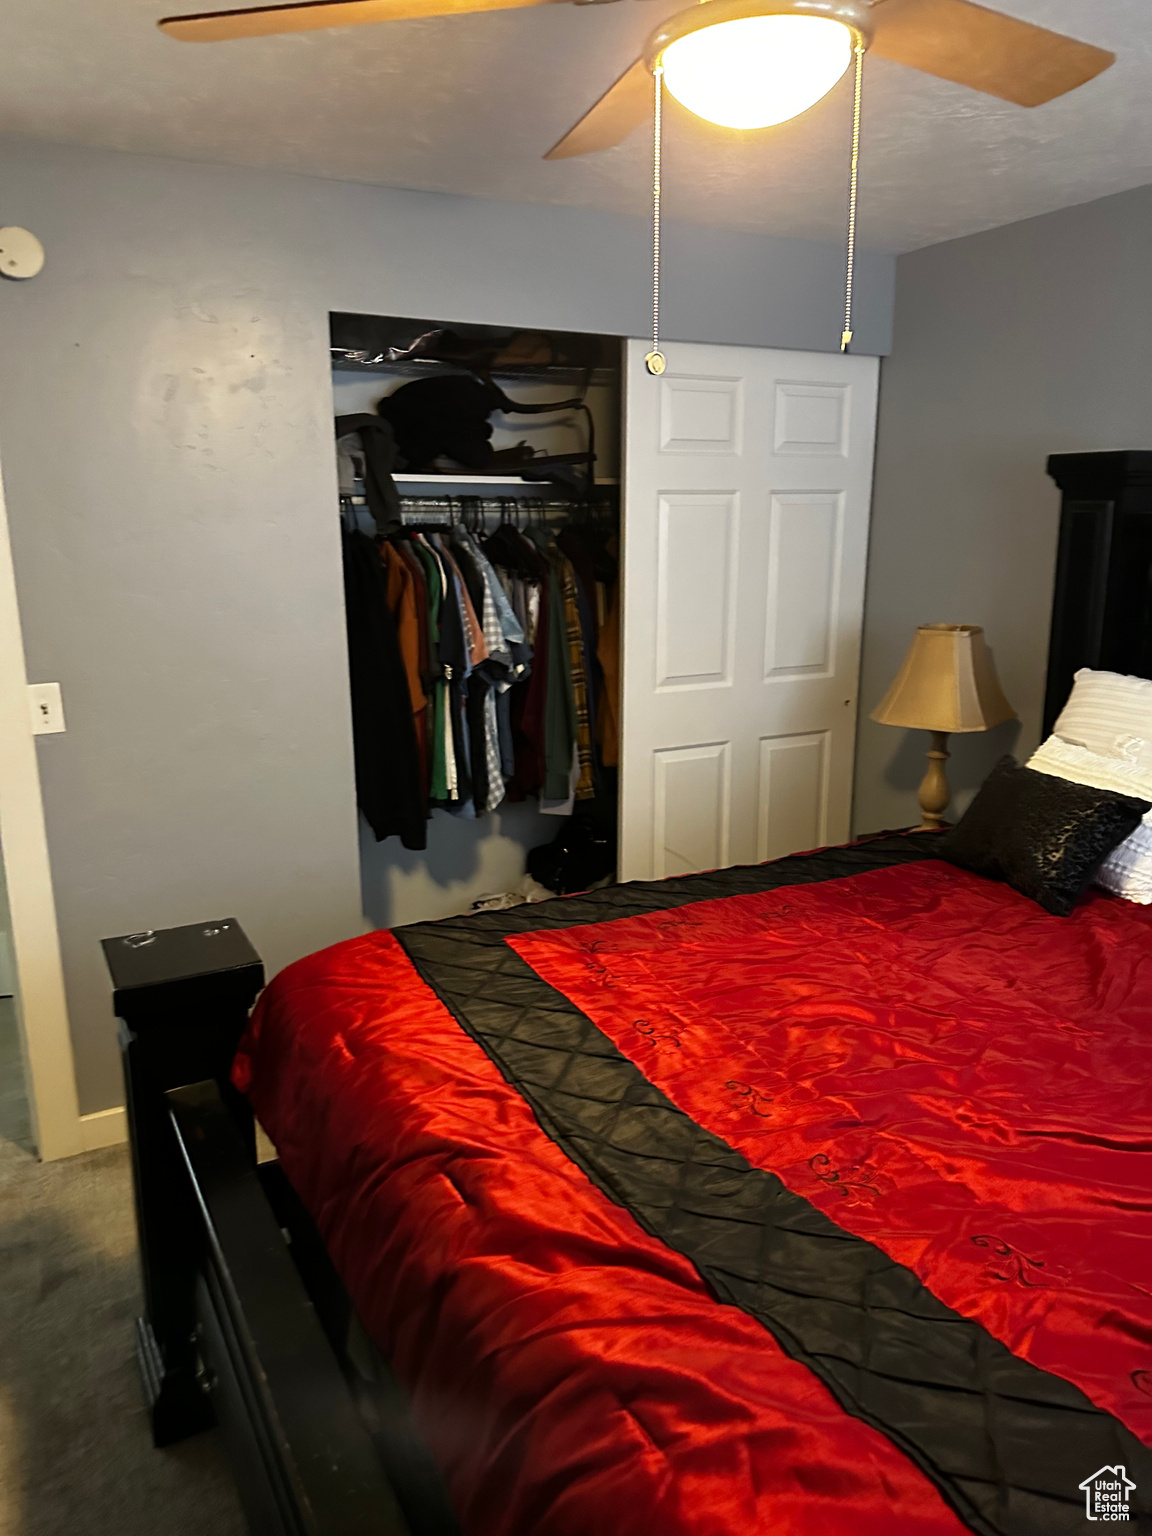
953,1075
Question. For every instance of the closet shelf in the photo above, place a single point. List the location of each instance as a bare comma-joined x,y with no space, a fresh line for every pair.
416,367
449,477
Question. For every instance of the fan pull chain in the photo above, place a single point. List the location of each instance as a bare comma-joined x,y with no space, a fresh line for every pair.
655,361
846,334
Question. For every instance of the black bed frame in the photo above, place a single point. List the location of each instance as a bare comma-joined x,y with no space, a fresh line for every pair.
246,1325
1102,601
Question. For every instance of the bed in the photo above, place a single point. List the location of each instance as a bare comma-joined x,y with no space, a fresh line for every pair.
805,1197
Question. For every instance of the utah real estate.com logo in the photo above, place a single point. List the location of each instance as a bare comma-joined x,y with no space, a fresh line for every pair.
1106,1494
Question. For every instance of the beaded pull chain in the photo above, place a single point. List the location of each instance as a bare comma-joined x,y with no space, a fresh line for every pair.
655,361
846,334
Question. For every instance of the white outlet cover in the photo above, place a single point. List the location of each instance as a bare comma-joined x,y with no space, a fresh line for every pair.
47,706
21,254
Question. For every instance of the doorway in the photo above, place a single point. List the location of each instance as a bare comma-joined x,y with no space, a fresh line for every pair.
15,1117
34,1022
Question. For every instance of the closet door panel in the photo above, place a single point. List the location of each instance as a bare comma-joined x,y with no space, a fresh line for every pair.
700,415
691,808
803,564
746,501
695,596
813,418
792,813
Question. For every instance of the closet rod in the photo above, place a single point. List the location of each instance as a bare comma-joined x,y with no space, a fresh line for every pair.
460,504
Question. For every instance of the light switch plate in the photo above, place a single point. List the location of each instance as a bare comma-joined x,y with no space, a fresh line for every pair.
47,708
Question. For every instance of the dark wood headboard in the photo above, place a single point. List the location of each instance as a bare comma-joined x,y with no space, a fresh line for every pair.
1102,607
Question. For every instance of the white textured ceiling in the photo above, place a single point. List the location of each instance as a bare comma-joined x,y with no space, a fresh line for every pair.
470,104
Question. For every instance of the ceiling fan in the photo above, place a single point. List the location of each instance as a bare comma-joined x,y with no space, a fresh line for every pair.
745,63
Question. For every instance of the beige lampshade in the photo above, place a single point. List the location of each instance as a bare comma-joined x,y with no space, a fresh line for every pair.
947,683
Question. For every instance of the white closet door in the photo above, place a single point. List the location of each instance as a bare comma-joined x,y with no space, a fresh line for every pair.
748,477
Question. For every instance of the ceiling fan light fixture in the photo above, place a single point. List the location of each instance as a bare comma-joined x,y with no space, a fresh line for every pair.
756,63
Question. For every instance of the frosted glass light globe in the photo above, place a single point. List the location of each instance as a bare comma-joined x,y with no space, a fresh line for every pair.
757,71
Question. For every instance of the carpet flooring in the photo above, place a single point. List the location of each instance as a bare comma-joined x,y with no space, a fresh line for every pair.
15,1122
76,1457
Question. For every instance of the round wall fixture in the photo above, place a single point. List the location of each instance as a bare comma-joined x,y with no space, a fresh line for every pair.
21,254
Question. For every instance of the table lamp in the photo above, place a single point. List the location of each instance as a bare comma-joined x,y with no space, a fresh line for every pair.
947,683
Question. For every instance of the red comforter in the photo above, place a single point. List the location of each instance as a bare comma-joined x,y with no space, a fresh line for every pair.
938,1064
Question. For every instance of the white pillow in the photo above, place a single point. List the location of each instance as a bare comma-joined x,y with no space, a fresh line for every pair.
1109,714
1127,871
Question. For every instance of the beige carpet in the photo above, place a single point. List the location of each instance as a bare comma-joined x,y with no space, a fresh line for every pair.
76,1458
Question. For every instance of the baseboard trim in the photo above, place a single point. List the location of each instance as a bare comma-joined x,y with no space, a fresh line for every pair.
106,1128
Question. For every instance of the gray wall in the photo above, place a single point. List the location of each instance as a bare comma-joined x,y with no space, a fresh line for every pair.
1009,345
165,438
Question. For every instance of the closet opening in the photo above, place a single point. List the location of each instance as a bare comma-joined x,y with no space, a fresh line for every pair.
479,471
15,1118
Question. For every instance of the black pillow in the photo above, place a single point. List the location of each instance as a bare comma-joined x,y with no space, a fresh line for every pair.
1046,837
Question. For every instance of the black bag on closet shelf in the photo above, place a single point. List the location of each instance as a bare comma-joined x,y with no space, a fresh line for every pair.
449,417
580,856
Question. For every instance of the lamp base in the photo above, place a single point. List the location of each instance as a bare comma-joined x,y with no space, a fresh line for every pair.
934,791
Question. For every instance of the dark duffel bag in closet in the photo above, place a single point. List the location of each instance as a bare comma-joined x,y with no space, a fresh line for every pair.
581,855
449,417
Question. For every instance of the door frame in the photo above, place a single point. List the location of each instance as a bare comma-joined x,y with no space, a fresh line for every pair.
41,1007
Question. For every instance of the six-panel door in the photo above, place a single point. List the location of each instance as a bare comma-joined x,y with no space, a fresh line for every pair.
747,482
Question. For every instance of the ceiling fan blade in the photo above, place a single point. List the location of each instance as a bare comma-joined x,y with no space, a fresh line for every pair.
623,107
267,20
986,50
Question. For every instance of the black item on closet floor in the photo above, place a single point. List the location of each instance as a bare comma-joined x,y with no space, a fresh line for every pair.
581,854
386,756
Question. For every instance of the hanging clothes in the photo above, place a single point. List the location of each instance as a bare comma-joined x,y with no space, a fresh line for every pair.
517,560
487,784
468,721
507,663
478,670
456,651
593,553
608,655
407,607
378,458
386,759
585,783
443,780
585,592
559,704
437,778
